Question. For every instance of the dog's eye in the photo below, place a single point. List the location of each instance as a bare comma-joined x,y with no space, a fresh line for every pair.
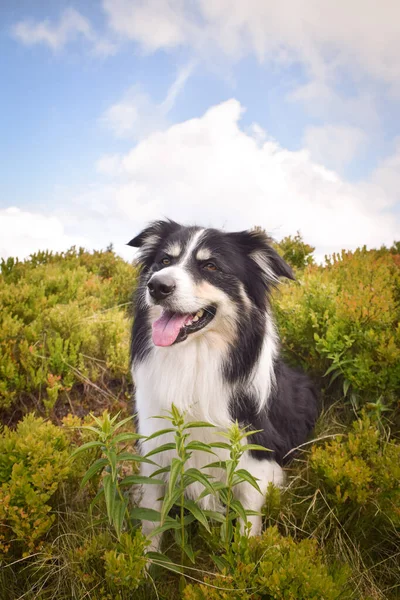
210,266
166,261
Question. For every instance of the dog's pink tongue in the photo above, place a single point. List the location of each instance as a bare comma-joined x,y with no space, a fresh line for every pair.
167,327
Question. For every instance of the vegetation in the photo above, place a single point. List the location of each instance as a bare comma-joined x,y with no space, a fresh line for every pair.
69,522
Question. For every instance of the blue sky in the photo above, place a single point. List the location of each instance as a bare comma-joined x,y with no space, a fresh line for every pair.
222,113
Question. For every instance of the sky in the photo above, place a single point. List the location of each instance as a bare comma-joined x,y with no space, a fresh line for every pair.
220,113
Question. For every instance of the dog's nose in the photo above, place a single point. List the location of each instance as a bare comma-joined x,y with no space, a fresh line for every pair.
161,288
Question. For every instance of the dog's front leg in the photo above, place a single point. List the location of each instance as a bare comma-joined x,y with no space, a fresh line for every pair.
265,471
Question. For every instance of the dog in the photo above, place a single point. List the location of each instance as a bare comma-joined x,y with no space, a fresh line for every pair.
204,339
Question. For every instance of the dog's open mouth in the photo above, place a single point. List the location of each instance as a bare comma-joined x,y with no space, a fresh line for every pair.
173,327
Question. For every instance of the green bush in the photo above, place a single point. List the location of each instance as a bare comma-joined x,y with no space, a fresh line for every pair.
33,462
342,320
295,251
273,567
61,324
347,496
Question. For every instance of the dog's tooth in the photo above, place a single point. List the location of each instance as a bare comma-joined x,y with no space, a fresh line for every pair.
196,318
200,313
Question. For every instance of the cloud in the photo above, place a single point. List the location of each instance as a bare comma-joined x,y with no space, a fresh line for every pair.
212,172
335,146
70,26
24,232
136,115
208,170
361,37
154,24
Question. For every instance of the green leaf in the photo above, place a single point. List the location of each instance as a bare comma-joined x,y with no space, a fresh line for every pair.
217,487
165,526
255,447
226,532
97,466
197,513
112,457
160,432
196,475
244,475
169,502
230,469
346,385
195,445
214,515
124,437
333,367
220,464
109,495
162,448
119,515
131,457
95,430
121,423
86,446
139,480
176,467
222,445
238,508
189,552
145,514
162,470
251,432
193,424
221,563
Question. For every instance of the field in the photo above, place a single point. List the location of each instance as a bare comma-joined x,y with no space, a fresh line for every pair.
65,408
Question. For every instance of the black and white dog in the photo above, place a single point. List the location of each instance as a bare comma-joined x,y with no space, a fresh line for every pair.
204,339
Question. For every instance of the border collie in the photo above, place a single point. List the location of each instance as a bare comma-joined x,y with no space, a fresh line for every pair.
204,339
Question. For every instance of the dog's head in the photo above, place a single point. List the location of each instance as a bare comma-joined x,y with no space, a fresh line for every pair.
198,280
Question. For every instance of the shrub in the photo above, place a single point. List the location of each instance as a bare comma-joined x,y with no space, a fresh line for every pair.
63,322
125,565
295,251
343,320
274,567
347,495
33,461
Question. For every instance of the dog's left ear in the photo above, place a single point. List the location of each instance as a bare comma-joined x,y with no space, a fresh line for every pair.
149,239
257,245
154,233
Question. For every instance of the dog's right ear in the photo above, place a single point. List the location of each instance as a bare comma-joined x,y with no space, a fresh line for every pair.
149,239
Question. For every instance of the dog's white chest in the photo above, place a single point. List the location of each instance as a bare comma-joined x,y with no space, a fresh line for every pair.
188,376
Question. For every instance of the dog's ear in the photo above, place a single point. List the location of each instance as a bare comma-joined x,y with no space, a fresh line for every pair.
258,247
148,239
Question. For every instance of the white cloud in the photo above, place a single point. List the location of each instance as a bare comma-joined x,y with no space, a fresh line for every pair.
136,115
23,232
155,24
362,36
70,26
334,145
211,172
